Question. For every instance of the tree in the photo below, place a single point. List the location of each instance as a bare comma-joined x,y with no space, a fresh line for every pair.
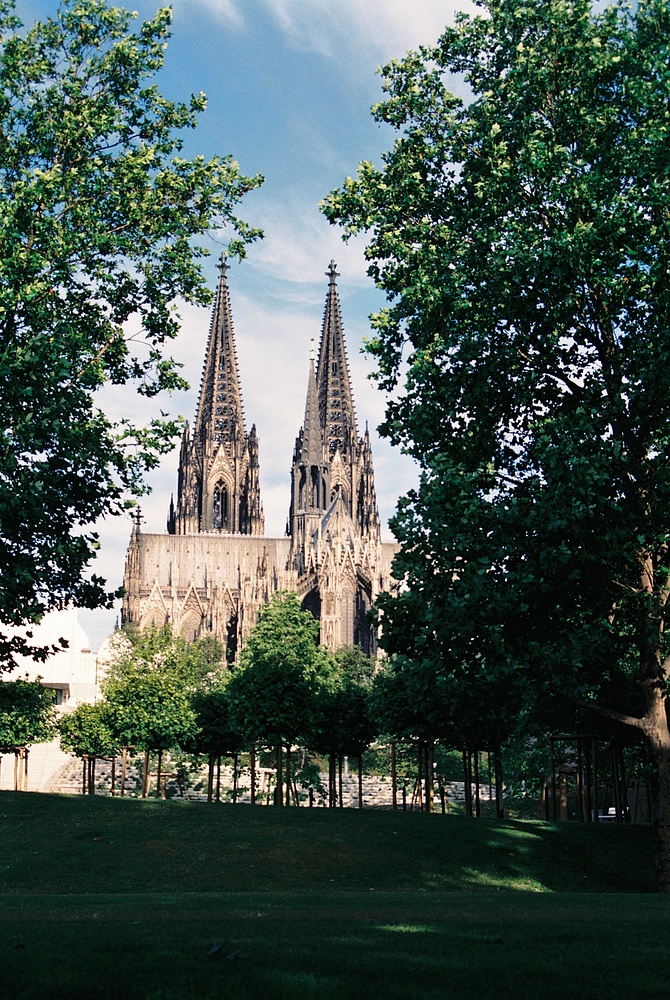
26,717
272,693
194,664
427,700
99,224
342,722
217,734
149,693
87,733
522,237
151,712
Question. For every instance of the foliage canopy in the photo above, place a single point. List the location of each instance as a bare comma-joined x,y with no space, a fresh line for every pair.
26,714
100,217
523,239
272,694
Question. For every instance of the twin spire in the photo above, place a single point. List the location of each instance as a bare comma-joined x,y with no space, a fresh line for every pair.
219,486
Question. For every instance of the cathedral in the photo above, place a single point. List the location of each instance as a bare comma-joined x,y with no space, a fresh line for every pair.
214,569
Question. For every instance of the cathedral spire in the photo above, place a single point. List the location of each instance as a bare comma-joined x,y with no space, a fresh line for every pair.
336,401
219,487
312,439
310,474
220,415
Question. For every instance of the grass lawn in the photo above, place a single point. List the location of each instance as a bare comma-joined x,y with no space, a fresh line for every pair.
123,898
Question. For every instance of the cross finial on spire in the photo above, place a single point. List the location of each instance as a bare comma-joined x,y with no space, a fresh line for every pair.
312,349
332,272
223,264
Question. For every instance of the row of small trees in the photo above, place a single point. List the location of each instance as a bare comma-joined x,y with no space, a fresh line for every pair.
162,695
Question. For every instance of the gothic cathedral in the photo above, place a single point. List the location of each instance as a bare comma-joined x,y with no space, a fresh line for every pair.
215,569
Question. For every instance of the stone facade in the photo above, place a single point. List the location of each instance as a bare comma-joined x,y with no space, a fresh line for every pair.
215,569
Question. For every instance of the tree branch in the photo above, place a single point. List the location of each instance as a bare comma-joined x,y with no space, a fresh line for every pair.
607,713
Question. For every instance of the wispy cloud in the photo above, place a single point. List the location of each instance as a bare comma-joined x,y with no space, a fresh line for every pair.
299,243
383,28
378,30
228,10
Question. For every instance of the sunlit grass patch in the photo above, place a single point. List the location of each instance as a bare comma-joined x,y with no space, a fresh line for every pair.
407,928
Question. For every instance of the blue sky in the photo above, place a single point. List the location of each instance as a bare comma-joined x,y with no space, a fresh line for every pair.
289,86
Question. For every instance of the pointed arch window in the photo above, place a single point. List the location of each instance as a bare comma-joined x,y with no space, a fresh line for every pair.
314,487
221,507
348,606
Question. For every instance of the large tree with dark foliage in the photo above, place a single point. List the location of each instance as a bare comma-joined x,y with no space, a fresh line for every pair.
523,238
99,224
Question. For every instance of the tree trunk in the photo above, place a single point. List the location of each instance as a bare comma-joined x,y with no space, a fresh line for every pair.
360,781
430,793
145,775
659,738
595,780
467,781
500,802
252,772
279,787
626,776
218,778
124,761
588,788
552,744
331,780
84,765
158,773
339,780
235,765
563,795
288,774
616,784
394,779
210,778
113,788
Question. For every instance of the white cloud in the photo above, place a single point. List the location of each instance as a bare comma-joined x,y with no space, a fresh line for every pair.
384,28
227,10
379,30
299,243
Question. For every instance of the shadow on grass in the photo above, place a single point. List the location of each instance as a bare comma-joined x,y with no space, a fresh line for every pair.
333,947
63,844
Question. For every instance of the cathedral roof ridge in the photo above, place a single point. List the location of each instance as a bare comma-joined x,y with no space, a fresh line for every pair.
338,508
